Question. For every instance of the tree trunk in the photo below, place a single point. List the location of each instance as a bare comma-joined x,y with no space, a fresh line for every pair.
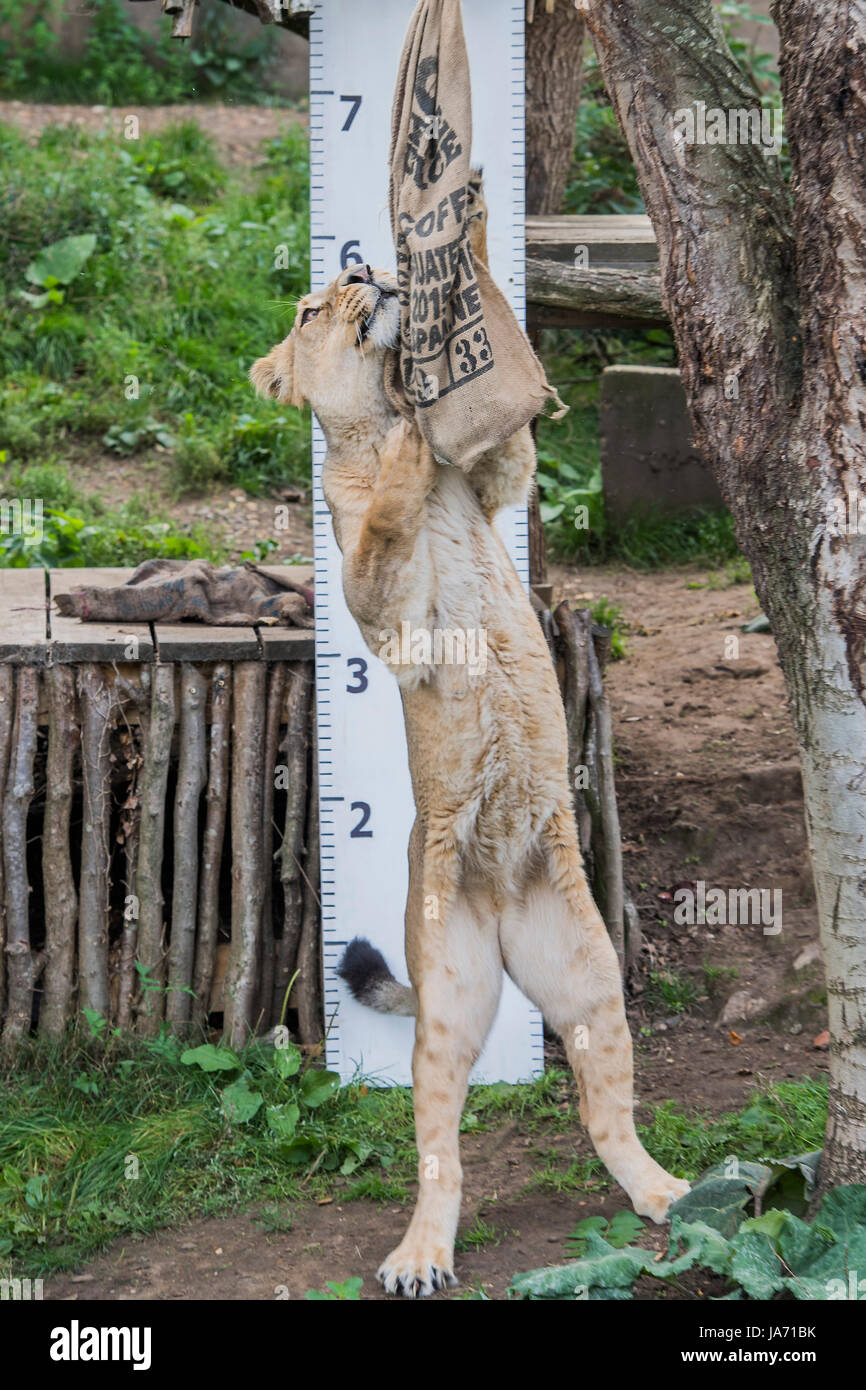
554,77
777,394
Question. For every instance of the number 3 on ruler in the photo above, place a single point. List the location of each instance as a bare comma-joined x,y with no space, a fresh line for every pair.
359,675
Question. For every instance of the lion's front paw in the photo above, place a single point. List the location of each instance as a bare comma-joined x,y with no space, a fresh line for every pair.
415,1272
657,1196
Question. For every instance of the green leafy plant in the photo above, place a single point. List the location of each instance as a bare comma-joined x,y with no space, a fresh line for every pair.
770,1254
56,267
623,1227
348,1292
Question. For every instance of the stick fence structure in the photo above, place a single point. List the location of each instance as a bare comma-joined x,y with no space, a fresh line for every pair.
159,850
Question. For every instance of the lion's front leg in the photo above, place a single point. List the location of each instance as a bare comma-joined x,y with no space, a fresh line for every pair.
378,570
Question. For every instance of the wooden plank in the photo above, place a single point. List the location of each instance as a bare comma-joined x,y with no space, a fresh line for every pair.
74,640
23,617
196,642
287,643
621,243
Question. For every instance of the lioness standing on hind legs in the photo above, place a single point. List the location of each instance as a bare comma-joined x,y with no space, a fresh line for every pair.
495,872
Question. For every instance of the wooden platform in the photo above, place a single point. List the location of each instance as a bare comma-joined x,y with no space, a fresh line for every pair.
618,242
592,272
33,633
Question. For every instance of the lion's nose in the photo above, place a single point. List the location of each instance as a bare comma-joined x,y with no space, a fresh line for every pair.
362,276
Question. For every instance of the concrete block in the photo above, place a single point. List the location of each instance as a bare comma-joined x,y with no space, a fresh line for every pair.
648,457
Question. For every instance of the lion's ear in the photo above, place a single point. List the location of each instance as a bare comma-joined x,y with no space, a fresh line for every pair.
274,375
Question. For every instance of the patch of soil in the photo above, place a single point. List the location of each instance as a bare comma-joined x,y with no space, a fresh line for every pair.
228,514
238,131
708,788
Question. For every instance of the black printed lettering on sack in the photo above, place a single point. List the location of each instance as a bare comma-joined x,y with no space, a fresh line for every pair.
432,142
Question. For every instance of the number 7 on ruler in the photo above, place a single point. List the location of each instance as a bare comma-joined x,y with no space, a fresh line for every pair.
365,792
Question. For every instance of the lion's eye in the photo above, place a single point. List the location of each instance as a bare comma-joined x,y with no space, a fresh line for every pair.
307,315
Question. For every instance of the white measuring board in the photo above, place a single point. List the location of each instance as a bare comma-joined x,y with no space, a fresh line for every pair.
366,806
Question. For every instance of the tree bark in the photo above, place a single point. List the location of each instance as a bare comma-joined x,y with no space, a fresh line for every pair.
97,710
554,77
191,776
217,798
296,749
16,804
61,901
148,877
247,858
777,394
7,719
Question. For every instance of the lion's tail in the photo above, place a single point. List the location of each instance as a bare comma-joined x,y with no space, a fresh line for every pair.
366,972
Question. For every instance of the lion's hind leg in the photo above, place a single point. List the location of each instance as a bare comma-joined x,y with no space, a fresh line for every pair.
556,949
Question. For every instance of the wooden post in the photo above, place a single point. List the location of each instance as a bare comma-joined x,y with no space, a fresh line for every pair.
7,717
214,835
308,991
276,697
61,901
191,777
96,703
148,878
133,740
16,804
298,699
247,859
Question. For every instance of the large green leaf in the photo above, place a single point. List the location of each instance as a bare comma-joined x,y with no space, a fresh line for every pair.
283,1119
240,1104
718,1202
211,1058
755,1264
602,1267
318,1086
287,1061
703,1245
61,262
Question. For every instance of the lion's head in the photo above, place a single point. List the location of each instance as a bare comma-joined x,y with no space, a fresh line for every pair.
334,355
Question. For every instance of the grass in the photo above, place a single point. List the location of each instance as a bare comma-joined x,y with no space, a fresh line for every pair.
120,64
102,1136
146,351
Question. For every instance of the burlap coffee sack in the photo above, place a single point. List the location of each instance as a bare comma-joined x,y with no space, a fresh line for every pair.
464,362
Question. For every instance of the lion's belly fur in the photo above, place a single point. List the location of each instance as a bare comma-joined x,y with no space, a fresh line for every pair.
487,741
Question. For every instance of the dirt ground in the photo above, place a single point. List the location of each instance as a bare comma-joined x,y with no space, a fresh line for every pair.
238,131
708,789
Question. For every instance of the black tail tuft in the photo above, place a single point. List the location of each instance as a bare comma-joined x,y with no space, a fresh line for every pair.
366,973
363,967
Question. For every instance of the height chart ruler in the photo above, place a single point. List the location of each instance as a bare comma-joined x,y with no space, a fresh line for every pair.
365,792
